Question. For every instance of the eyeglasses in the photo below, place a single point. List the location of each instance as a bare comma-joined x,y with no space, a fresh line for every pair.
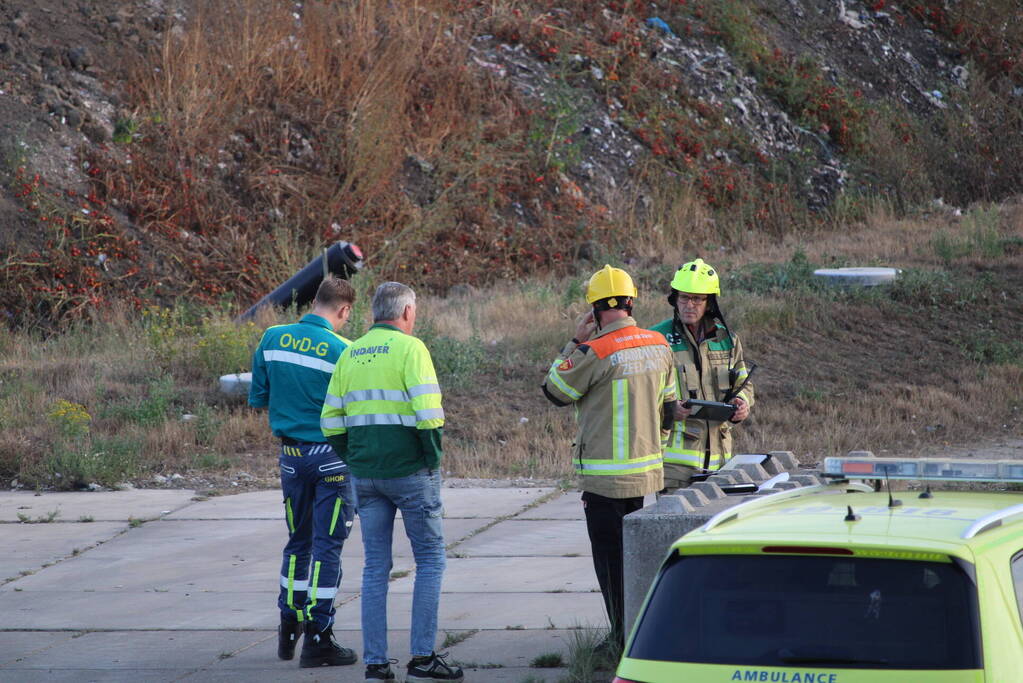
686,299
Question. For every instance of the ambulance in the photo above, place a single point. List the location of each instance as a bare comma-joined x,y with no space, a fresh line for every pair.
858,580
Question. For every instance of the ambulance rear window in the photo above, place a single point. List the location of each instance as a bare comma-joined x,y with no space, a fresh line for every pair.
798,611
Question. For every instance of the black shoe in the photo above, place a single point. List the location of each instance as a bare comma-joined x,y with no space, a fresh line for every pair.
432,668
287,637
379,672
320,649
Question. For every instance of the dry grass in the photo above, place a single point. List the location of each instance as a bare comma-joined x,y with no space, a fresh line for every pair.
931,363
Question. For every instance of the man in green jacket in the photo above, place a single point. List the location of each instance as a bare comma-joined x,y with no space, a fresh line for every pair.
383,416
290,371
710,366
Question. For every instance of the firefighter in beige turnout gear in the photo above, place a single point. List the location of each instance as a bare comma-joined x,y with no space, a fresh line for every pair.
711,367
621,379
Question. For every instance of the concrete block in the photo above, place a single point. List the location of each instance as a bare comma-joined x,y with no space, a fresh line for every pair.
757,473
786,459
786,485
773,467
695,498
805,479
709,489
741,477
648,534
725,477
672,505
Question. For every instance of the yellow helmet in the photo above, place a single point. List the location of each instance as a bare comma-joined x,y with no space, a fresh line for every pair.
609,282
696,277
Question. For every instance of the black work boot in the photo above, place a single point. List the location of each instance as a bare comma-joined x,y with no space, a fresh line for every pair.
287,637
320,649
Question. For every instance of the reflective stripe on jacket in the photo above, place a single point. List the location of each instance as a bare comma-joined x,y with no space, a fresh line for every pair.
382,412
619,382
290,371
707,374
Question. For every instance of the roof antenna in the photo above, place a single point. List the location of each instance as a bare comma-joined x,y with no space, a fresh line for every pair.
852,516
892,502
927,493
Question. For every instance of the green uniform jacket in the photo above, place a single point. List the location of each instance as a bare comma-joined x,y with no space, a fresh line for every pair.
705,371
290,371
383,413
619,382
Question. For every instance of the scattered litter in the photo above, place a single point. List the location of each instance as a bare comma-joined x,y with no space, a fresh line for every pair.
659,23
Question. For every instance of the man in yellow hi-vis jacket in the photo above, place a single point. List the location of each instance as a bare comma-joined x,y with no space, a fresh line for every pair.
383,416
710,366
622,381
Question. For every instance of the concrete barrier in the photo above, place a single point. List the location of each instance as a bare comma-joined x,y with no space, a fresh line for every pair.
649,533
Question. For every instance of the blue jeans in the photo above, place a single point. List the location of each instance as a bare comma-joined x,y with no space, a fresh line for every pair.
319,505
418,498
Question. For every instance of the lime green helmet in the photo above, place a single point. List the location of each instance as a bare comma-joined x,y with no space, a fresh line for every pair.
696,277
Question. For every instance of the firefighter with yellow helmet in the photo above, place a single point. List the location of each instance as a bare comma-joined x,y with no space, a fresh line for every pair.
710,367
622,381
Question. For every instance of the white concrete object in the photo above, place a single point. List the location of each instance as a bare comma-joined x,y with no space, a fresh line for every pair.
236,384
858,277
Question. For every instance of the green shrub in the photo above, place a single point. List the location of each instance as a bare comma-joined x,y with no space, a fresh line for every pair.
763,278
921,287
71,420
191,346
457,362
991,348
151,409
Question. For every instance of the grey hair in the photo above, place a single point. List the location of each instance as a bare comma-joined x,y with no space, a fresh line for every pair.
390,300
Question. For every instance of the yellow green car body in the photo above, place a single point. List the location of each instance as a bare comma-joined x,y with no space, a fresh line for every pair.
832,584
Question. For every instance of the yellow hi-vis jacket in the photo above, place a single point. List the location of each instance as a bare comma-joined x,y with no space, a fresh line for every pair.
706,371
619,382
382,413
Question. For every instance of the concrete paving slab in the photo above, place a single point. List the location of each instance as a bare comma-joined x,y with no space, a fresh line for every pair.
206,571
251,505
529,538
465,611
496,502
166,555
16,645
87,675
150,650
49,611
251,656
564,506
512,575
101,506
516,675
230,555
491,647
29,547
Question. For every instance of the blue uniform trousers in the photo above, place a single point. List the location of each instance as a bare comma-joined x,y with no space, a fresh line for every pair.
319,506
